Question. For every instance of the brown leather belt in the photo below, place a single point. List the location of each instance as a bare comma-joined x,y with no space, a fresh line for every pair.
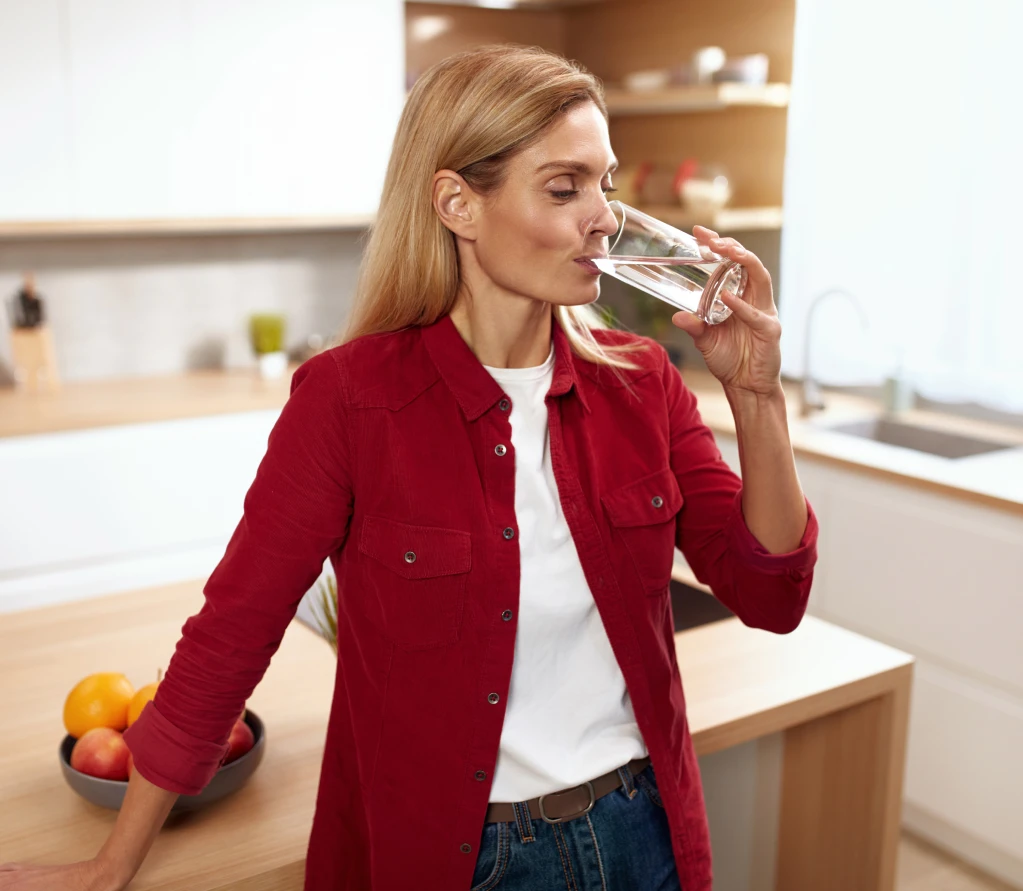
566,804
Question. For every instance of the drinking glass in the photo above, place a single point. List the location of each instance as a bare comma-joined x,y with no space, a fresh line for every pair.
670,264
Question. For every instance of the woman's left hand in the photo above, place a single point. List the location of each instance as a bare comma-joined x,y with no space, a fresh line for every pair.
744,351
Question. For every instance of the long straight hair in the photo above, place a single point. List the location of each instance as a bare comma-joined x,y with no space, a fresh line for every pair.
471,112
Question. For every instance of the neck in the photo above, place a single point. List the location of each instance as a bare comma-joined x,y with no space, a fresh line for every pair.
504,330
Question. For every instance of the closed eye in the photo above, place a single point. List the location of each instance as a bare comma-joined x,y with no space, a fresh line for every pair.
568,193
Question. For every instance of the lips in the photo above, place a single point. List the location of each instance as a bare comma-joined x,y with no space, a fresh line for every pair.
588,265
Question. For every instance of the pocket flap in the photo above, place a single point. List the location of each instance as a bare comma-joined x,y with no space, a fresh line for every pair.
654,498
416,552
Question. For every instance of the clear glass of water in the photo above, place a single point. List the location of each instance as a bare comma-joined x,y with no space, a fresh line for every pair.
670,264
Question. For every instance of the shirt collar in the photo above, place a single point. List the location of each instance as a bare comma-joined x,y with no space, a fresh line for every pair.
473,387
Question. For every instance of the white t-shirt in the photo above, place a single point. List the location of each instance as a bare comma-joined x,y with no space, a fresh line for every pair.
569,716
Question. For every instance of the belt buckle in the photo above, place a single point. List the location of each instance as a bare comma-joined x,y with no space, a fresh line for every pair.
588,808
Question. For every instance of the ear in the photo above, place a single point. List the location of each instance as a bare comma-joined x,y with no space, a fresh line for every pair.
456,204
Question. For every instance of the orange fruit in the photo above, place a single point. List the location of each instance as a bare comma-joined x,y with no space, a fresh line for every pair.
141,697
99,700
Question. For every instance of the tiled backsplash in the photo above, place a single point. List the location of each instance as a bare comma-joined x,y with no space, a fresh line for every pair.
157,305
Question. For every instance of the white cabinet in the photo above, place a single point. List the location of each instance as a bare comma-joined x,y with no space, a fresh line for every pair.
938,577
114,109
35,113
292,106
90,512
127,67
941,576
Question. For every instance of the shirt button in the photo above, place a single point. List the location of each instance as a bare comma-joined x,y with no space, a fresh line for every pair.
504,405
465,849
481,774
506,615
493,699
500,451
657,501
508,532
410,556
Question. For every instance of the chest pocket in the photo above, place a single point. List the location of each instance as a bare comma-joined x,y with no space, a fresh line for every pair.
643,515
420,585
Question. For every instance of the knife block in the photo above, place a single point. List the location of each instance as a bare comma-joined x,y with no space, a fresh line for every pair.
35,362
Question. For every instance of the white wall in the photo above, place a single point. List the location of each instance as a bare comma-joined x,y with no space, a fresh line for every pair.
143,306
903,187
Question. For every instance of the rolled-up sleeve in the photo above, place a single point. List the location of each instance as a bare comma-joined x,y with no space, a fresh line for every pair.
765,590
295,513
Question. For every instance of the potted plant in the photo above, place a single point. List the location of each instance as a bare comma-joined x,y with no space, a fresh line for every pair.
654,320
326,615
266,333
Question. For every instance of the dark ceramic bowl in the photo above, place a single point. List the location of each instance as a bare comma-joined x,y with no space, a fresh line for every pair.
229,778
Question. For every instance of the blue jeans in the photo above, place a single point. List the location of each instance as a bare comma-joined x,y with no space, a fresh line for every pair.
623,844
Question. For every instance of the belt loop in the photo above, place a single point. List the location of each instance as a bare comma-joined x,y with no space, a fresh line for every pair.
523,821
626,777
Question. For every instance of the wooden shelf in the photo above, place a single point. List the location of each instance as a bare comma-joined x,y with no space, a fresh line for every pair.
692,99
513,4
729,219
41,229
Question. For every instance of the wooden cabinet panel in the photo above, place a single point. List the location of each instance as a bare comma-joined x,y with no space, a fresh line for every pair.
614,39
434,31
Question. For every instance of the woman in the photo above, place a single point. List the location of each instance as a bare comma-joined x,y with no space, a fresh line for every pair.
499,481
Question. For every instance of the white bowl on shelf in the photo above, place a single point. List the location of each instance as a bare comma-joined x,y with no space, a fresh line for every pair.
705,195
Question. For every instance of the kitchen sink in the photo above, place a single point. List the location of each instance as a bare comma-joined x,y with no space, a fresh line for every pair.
922,439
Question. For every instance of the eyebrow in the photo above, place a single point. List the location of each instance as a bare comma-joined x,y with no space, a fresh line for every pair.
577,166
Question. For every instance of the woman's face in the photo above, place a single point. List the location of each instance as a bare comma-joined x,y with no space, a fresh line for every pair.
532,236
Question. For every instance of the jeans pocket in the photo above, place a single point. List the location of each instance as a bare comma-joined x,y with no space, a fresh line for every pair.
645,780
492,860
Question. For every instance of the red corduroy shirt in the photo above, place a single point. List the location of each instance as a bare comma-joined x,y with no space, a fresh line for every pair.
386,448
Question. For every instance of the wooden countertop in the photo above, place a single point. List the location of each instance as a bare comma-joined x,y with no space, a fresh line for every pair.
740,684
80,405
995,479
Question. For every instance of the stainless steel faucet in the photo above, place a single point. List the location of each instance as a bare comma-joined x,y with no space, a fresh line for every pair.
810,398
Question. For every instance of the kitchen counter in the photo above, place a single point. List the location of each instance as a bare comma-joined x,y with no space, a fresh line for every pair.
81,405
994,479
820,685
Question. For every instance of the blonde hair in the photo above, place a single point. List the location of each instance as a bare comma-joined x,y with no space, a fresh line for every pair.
470,113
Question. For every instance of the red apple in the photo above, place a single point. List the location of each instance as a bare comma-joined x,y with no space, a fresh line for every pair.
131,765
101,752
240,741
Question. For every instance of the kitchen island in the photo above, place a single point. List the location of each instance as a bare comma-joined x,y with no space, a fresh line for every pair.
839,699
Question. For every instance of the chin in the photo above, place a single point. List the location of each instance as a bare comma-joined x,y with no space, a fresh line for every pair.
577,295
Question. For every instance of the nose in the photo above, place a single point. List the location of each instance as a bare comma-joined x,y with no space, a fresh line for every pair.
605,223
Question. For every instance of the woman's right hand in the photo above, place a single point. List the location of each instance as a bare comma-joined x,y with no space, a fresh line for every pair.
86,875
